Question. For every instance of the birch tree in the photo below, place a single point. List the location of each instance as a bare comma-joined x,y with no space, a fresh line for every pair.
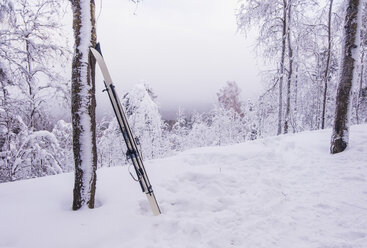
290,67
327,67
84,104
279,22
340,134
271,15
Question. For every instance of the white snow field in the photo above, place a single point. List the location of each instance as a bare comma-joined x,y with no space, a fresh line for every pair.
284,191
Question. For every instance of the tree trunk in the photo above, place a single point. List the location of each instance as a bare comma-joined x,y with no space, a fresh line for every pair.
31,92
326,73
295,109
290,71
84,104
359,99
340,135
282,57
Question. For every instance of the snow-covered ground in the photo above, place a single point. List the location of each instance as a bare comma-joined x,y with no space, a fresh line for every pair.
284,191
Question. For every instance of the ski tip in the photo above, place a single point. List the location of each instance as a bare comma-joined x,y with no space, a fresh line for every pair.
96,54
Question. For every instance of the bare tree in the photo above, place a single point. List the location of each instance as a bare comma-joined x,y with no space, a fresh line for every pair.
84,104
272,17
280,23
327,67
33,47
314,61
229,97
340,134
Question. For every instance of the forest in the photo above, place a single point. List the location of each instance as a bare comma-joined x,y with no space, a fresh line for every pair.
302,41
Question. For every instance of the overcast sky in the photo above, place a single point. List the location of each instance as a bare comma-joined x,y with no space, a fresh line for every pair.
186,49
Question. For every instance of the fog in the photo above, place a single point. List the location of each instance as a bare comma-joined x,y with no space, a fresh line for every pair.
186,50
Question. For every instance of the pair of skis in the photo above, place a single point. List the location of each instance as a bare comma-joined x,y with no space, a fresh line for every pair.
132,149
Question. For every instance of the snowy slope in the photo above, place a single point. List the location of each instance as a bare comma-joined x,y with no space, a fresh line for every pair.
285,191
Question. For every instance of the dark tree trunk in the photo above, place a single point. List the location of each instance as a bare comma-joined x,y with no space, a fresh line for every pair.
340,135
83,105
295,109
326,73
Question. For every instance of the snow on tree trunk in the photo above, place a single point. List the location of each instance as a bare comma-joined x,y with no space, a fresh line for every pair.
290,70
282,58
83,104
340,135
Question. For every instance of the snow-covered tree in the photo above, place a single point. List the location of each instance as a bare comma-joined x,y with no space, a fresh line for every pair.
144,119
179,132
228,126
63,133
13,131
111,146
229,97
201,133
33,47
26,154
251,120
340,135
36,156
326,73
301,36
227,116
84,104
267,110
271,17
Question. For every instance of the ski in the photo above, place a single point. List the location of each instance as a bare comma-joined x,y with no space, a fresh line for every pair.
133,152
